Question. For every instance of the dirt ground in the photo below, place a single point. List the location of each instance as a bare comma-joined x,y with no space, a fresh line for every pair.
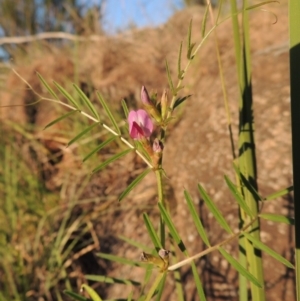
197,148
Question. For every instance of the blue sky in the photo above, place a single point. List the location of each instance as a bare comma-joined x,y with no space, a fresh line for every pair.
121,14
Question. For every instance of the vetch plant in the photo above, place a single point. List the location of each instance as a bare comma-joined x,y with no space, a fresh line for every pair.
163,232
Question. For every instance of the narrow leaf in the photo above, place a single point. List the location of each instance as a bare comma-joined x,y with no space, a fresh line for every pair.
166,217
60,118
240,268
91,292
47,86
198,282
278,218
118,259
238,196
67,95
204,21
179,70
109,113
180,100
196,218
170,79
130,296
152,233
214,210
125,108
248,185
85,131
135,243
75,296
259,245
87,101
278,194
189,40
99,147
112,159
134,183
105,279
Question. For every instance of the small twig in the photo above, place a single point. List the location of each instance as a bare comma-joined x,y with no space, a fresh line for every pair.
49,35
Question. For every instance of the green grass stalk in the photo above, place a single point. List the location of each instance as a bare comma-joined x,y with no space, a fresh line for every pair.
294,27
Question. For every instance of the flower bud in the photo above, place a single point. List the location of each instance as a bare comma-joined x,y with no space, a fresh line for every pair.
164,104
145,97
149,105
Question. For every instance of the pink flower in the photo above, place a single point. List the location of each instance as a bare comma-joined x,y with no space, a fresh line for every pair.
140,124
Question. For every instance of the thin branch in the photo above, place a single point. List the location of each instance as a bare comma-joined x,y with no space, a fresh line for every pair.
49,35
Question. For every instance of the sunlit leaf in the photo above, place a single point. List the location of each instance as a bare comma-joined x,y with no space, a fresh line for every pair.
196,218
76,296
259,245
278,218
166,217
152,233
92,293
279,193
238,196
214,210
240,268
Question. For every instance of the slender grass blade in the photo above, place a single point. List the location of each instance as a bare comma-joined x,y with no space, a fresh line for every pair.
91,292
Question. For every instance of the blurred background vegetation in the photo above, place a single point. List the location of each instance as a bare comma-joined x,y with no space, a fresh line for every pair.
46,233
